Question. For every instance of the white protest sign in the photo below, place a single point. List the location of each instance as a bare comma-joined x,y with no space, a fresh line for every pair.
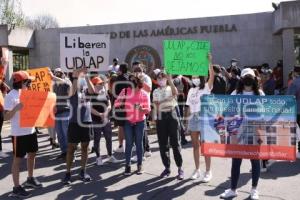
79,50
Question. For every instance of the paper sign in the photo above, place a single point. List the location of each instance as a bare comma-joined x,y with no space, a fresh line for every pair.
252,127
38,109
42,82
186,57
79,50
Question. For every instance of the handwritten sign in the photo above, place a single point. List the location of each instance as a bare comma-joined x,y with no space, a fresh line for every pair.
38,109
42,80
186,57
251,127
84,50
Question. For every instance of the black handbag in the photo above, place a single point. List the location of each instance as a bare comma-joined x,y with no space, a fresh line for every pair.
119,112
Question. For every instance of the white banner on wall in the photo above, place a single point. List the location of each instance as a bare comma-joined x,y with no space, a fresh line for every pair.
79,50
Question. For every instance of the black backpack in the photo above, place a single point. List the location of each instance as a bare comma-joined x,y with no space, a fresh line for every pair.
219,85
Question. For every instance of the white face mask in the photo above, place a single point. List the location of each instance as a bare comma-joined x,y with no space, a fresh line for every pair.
196,81
162,82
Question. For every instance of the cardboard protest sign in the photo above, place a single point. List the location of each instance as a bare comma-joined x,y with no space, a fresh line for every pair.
186,57
253,127
42,80
79,50
37,109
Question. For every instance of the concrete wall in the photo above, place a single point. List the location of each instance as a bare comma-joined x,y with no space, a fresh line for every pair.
21,37
287,16
253,43
3,35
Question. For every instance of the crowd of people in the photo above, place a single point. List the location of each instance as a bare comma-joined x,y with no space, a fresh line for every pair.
90,105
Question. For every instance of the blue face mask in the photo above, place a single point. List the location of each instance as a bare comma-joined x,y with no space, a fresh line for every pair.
82,83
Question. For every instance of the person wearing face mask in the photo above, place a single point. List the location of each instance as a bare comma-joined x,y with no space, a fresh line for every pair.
101,107
248,85
61,87
79,128
200,88
234,65
167,123
24,139
115,66
137,105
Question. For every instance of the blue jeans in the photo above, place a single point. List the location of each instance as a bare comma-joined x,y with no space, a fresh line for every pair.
134,132
61,127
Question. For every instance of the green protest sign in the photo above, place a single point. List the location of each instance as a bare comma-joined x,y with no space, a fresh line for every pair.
186,57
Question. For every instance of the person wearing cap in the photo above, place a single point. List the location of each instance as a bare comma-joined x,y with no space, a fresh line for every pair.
24,139
294,89
79,128
248,85
101,108
62,88
115,66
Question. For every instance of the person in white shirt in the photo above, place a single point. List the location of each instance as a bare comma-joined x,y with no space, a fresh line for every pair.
248,85
115,66
201,87
24,139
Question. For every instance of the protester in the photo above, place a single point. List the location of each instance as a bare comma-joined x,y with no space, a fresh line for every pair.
80,122
24,140
101,108
294,89
119,84
219,84
62,89
200,88
3,91
167,123
137,105
248,85
147,87
115,66
269,82
232,79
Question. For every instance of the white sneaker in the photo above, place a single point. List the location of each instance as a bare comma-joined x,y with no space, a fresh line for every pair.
99,161
3,154
229,194
298,155
148,154
134,159
112,159
207,177
196,174
119,150
134,148
254,195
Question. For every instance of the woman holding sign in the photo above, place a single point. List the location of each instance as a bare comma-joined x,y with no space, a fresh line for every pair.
194,125
248,85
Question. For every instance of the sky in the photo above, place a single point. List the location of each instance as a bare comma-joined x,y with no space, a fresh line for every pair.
98,12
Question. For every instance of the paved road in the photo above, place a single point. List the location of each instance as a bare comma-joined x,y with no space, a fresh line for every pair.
281,182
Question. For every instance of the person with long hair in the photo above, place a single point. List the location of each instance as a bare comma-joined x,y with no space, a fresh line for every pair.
200,88
136,105
167,123
248,85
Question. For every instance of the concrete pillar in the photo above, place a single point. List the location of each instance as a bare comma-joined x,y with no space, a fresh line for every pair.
288,56
10,67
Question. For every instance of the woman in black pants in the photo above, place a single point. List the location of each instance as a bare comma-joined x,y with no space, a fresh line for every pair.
167,123
248,85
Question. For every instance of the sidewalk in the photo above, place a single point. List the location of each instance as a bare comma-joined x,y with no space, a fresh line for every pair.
281,182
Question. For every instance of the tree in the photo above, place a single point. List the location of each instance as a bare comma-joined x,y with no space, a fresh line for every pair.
11,13
43,21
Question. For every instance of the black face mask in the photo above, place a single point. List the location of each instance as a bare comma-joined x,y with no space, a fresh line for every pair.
248,81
